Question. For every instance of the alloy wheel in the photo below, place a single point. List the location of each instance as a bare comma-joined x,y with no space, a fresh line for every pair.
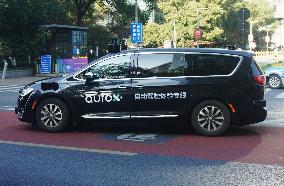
274,82
210,118
51,115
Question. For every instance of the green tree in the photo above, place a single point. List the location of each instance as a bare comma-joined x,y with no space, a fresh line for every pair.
220,23
20,23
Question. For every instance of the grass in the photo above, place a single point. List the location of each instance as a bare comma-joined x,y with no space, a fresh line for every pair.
277,64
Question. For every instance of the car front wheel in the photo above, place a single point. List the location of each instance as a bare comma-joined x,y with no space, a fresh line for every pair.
274,81
210,118
52,115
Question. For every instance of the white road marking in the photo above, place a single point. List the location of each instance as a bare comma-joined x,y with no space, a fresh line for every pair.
9,86
69,148
9,108
137,137
12,88
280,96
268,89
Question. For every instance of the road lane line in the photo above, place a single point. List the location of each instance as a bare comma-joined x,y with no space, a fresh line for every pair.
69,148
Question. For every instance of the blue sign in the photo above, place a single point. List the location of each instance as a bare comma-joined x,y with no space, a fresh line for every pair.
136,31
45,64
78,37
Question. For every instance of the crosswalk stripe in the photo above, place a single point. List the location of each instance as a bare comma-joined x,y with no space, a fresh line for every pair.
4,86
10,88
280,96
268,89
15,90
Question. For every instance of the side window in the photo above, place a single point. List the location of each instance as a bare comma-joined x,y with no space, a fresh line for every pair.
205,64
160,65
115,67
255,70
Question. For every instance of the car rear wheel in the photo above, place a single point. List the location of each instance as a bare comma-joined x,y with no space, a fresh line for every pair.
52,115
210,118
274,81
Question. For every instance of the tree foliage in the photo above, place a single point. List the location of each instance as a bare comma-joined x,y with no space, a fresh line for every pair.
220,22
20,22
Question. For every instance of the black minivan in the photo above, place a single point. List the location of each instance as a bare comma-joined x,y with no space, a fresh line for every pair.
209,88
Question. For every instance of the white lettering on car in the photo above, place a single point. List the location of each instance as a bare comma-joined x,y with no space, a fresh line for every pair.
159,96
97,97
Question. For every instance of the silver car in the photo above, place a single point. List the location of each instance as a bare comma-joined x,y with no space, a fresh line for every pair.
275,76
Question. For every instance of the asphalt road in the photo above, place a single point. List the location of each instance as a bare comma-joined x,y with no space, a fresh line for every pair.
140,153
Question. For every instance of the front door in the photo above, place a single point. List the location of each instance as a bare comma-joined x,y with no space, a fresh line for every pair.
108,95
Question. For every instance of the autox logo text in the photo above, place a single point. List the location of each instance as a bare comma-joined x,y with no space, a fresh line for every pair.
101,97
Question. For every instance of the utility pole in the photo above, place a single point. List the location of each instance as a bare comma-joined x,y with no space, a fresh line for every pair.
136,18
175,35
197,23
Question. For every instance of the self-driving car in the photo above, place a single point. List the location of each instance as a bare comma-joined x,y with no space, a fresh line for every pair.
210,89
275,76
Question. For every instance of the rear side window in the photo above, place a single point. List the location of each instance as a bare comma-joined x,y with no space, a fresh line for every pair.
206,65
160,65
255,69
179,64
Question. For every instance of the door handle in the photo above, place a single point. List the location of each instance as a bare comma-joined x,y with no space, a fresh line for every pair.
122,87
138,86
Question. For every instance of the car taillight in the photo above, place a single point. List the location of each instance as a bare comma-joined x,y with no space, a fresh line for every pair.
261,80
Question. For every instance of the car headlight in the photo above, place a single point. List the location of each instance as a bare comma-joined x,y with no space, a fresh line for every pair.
26,91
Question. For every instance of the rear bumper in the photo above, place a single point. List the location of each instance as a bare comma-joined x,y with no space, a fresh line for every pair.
250,114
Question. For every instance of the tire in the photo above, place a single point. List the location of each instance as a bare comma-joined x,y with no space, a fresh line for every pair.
52,115
210,118
274,81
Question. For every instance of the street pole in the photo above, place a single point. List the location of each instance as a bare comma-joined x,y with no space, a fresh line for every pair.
197,25
4,69
267,39
175,35
136,18
250,33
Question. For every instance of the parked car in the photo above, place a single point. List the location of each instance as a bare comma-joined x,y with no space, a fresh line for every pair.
275,77
210,89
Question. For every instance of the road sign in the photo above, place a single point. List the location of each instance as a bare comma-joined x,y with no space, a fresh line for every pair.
244,14
250,37
197,33
45,64
136,31
244,27
252,45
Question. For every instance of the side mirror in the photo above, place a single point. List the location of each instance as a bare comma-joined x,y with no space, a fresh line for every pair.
89,76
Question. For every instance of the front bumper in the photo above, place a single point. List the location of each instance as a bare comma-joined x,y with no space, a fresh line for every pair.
24,110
